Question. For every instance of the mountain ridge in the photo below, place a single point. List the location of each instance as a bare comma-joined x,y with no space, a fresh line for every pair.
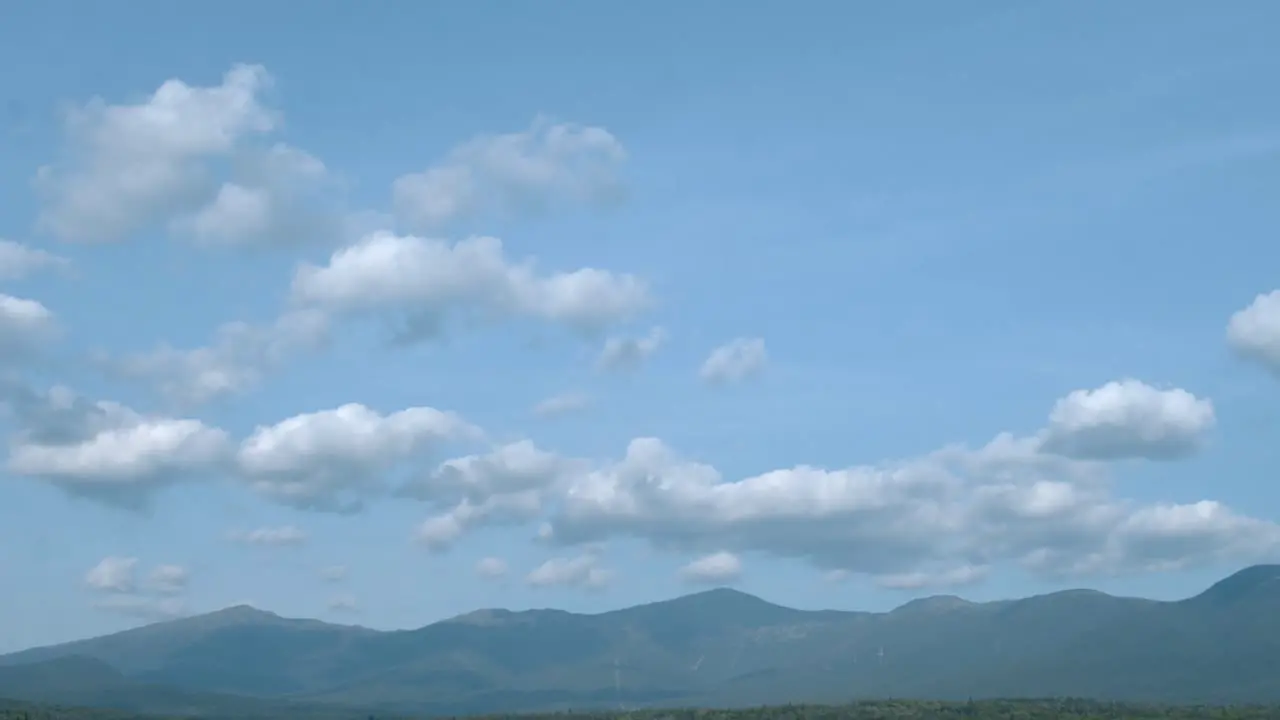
715,647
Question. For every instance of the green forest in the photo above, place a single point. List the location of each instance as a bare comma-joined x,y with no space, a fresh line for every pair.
1065,709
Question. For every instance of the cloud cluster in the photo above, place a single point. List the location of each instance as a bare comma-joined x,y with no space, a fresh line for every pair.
628,353
427,280
105,450
196,162
131,165
26,326
17,261
734,361
1042,501
1128,419
330,460
200,164
580,571
1254,332
718,568
510,484
528,171
491,567
240,355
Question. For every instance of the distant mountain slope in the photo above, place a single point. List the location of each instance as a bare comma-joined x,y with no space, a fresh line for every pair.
720,647
151,646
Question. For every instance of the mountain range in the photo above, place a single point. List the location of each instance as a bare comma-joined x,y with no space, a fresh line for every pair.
715,648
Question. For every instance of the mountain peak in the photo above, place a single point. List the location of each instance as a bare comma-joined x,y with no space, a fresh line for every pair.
723,591
717,606
934,604
243,610
1250,582
721,597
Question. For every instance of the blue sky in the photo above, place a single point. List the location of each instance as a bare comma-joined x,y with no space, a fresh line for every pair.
385,314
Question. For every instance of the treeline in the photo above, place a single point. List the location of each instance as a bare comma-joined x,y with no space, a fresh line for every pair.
14,710
1064,709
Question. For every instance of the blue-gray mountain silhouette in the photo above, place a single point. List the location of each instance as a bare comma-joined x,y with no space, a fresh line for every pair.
719,647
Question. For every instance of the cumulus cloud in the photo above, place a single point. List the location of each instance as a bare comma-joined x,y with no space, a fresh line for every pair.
130,165
491,567
279,196
715,569
426,280
25,326
1128,419
628,353
333,459
547,164
1254,332
508,484
936,519
581,571
270,536
236,361
734,361
565,404
17,261
113,574
105,450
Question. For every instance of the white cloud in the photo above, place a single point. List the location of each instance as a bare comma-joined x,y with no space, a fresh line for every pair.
715,569
440,532
333,459
562,405
279,196
628,353
25,326
131,165
271,536
18,261
1254,332
508,484
105,450
937,519
734,361
333,573
491,567
426,280
514,173
113,574
1128,419
951,577
236,361
169,579
582,571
